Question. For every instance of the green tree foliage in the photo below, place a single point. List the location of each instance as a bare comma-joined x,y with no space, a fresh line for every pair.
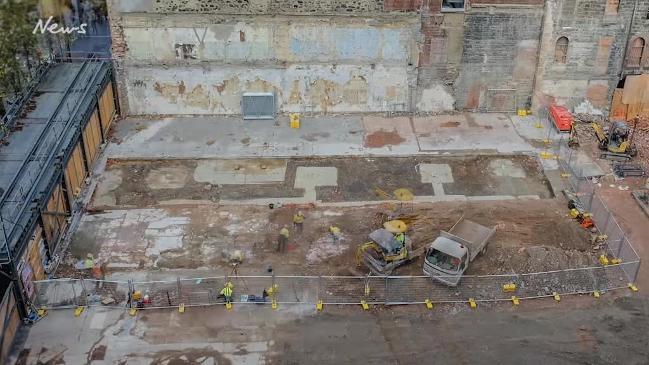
17,43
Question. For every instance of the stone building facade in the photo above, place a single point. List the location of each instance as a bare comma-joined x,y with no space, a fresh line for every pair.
346,56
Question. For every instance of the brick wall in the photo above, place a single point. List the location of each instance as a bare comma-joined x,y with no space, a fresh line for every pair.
597,41
640,28
498,59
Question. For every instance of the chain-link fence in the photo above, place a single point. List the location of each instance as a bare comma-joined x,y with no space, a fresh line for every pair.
68,293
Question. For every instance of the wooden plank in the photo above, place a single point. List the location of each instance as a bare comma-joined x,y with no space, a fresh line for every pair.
75,173
107,108
33,254
9,323
91,140
618,109
55,224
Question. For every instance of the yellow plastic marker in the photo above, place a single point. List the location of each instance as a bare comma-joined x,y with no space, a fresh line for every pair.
42,311
538,125
547,141
633,287
603,260
181,308
546,155
78,311
228,306
132,312
596,294
294,120
318,305
429,304
273,304
508,288
472,303
616,261
556,296
564,175
515,300
364,305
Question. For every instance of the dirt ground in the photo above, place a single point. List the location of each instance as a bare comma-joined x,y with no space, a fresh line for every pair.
588,143
358,179
531,236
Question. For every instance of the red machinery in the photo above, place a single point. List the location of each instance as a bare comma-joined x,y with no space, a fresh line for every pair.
561,118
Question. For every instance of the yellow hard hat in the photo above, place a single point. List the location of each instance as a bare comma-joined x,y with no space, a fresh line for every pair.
395,226
229,285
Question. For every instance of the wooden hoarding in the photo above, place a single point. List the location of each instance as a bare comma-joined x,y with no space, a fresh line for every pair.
92,140
54,217
75,174
107,108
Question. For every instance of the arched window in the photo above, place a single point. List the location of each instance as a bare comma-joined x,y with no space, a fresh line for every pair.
635,52
561,50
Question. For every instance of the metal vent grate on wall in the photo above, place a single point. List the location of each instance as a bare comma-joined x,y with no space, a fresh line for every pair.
258,106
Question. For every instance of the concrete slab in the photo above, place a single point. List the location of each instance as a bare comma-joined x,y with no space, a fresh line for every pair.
506,168
436,174
240,172
172,177
207,137
389,135
352,135
104,194
533,128
308,178
469,133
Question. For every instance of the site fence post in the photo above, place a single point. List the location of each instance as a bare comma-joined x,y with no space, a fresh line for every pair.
619,247
590,202
129,301
608,218
317,289
387,293
74,294
84,292
178,288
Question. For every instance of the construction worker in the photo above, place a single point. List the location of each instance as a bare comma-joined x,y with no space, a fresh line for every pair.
98,275
400,237
89,263
226,292
335,233
298,221
282,239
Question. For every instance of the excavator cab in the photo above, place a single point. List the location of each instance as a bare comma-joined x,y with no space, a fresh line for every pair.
387,249
617,142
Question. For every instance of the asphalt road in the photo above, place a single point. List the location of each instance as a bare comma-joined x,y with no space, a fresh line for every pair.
576,331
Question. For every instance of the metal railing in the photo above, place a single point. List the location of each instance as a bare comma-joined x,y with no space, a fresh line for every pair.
41,158
13,112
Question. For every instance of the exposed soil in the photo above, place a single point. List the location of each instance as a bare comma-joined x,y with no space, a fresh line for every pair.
531,236
359,179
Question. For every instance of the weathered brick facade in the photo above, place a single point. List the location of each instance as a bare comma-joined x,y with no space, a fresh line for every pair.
493,55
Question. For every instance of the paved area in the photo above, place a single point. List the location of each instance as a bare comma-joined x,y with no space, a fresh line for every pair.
322,180
352,135
575,331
